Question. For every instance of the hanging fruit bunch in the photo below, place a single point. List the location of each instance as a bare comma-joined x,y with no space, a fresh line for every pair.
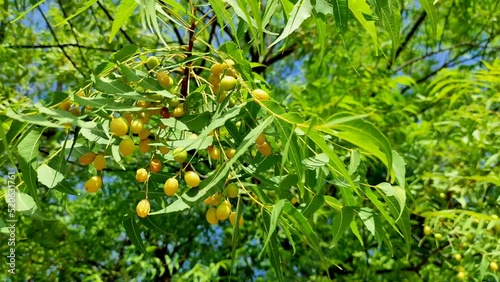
179,119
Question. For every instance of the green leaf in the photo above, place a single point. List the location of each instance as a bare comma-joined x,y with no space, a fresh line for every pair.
315,204
111,86
28,156
134,234
275,216
79,11
399,169
390,15
316,161
32,119
341,222
301,12
49,176
23,202
359,9
124,11
27,11
300,222
341,14
123,54
177,206
354,162
428,6
394,191
360,133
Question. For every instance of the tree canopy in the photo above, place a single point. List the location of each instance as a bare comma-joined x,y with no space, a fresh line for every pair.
229,140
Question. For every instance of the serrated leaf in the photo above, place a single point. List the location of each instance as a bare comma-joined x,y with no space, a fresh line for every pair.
23,202
134,234
107,85
431,13
389,13
360,8
341,222
315,204
300,12
79,11
49,176
316,161
394,191
28,156
360,133
341,14
124,11
275,216
122,55
399,169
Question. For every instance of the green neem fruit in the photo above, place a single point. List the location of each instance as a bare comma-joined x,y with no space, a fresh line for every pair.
180,155
152,62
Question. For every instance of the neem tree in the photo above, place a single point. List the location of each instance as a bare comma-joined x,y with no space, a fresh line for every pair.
197,124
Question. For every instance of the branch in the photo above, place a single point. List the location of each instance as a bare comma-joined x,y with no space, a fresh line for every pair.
416,59
63,45
74,34
57,41
410,34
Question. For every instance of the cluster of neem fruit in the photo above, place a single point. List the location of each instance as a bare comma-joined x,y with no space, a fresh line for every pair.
461,274
124,128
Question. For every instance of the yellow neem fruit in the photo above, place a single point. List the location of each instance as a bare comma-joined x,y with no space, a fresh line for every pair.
178,111
217,68
427,230
142,104
214,153
144,133
99,162
118,126
192,179
260,95
228,83
461,275
171,186
143,208
155,165
127,147
136,126
87,158
230,153
232,190
260,139
494,265
232,219
164,150
128,116
76,111
164,79
93,184
144,146
65,105
294,200
216,199
211,216
141,175
264,149
228,63
458,257
214,79
209,201
223,211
